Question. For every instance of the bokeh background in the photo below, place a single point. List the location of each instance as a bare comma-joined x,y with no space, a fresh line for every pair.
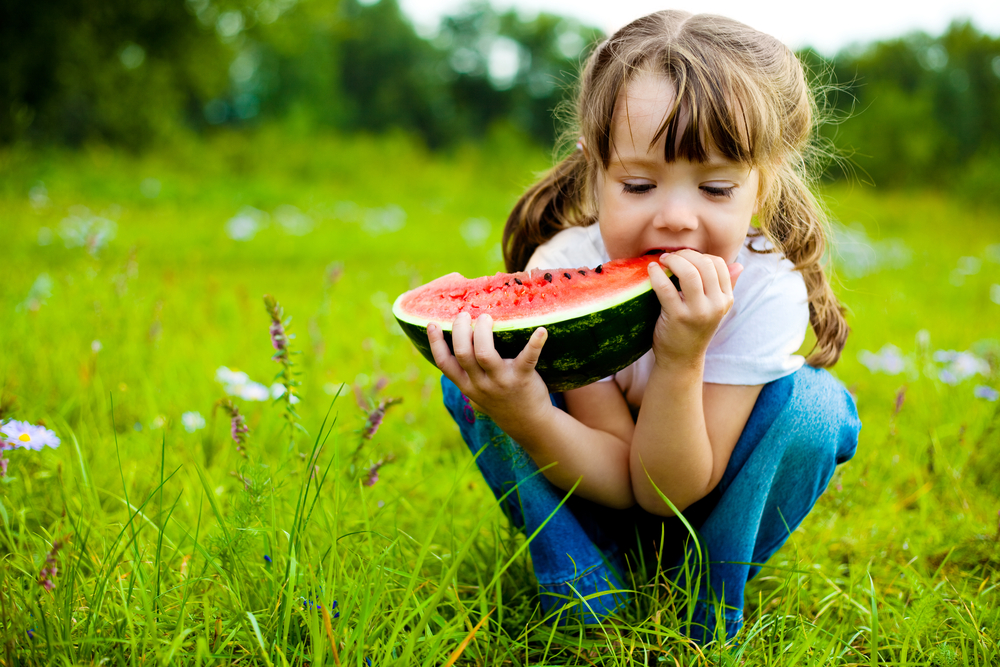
916,109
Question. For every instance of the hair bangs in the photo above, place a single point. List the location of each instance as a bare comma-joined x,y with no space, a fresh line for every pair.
707,119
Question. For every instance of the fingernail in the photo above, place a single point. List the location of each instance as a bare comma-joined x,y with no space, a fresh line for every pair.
431,327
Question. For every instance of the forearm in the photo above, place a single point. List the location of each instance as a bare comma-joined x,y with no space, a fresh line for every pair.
671,449
568,450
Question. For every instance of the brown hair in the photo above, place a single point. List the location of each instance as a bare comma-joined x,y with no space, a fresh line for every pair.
738,91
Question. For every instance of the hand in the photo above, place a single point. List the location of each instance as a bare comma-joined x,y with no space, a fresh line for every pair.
502,388
689,317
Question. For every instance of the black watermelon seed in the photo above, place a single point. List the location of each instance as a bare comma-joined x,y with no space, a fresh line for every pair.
518,281
600,268
581,272
567,276
548,276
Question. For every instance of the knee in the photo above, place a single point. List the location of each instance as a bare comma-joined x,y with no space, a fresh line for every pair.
822,413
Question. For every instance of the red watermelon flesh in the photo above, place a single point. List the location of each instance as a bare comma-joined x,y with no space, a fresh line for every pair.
599,319
514,300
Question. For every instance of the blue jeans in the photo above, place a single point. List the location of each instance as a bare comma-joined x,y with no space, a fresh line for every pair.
801,427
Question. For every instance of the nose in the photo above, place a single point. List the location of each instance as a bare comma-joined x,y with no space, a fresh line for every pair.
675,212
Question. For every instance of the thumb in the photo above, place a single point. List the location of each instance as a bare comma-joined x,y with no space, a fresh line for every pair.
735,270
529,355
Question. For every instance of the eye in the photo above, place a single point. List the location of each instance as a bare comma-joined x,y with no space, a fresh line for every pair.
719,191
637,188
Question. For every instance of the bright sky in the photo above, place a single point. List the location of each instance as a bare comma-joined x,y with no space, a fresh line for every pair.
827,25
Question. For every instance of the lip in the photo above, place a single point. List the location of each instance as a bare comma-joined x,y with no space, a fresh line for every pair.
666,249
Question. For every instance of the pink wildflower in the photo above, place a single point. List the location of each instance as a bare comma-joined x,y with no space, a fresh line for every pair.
238,428
375,417
279,337
51,569
371,477
373,474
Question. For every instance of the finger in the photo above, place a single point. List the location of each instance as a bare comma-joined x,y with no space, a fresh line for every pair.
528,358
443,358
482,337
687,273
462,343
722,278
735,271
708,270
665,290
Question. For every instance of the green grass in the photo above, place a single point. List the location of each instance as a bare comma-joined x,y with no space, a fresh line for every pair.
167,529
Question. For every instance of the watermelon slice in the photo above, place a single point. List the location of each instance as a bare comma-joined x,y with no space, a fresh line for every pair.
599,320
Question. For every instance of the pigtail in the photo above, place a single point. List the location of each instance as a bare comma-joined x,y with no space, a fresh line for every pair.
554,203
795,223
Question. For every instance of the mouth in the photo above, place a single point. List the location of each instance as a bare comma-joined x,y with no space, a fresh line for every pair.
659,251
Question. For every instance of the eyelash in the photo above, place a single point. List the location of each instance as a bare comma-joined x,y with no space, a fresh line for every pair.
719,192
643,188
636,189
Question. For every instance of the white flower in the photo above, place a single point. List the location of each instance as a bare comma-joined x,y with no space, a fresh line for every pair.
238,383
246,223
192,421
888,360
960,365
278,390
23,435
252,391
227,376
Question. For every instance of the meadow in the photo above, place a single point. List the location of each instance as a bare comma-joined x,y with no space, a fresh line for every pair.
352,527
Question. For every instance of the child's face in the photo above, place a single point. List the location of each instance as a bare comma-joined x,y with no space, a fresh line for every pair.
648,204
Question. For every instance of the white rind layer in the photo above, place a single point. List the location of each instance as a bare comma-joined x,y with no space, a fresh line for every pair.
535,321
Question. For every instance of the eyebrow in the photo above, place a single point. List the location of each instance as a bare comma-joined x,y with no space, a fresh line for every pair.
711,163
634,162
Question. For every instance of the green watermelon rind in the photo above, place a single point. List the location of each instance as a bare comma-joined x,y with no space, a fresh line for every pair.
581,348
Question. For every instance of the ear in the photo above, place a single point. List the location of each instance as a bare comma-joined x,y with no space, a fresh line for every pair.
581,145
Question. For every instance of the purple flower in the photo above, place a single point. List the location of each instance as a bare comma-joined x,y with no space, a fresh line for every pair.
983,391
50,569
309,604
375,417
238,428
374,421
279,337
278,340
373,474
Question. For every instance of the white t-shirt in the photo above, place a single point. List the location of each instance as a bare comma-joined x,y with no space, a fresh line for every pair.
756,340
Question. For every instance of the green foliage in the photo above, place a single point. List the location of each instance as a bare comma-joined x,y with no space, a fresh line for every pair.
138,74
919,110
916,111
168,529
122,71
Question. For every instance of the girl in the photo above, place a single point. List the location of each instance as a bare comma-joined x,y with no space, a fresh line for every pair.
694,132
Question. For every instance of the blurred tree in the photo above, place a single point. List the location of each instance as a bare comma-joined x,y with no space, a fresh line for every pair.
503,66
918,109
123,71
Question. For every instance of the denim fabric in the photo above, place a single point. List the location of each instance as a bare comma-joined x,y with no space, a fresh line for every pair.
801,427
